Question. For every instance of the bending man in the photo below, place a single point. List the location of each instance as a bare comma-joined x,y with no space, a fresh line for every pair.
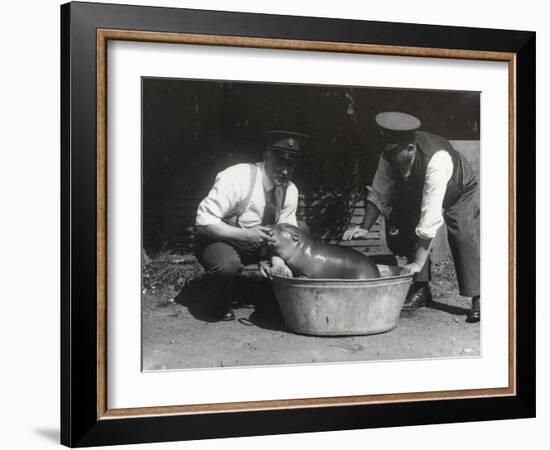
420,175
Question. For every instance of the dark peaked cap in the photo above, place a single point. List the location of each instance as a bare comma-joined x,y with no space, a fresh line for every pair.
396,128
287,144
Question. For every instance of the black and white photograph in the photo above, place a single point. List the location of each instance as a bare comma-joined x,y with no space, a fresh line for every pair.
301,223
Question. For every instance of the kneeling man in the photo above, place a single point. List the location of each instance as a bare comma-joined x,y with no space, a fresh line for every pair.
233,219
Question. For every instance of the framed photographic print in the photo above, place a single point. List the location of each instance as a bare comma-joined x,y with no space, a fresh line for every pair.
276,224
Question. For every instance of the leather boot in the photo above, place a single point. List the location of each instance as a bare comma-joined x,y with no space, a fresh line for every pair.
223,312
220,295
419,295
474,313
228,315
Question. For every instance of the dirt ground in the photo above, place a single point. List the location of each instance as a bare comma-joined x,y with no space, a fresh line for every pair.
179,332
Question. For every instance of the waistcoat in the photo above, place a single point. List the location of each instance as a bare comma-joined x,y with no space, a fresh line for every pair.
462,178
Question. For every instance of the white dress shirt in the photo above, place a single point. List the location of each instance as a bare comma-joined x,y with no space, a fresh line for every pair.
230,190
438,174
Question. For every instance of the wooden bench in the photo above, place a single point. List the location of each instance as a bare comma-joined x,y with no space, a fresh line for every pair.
327,216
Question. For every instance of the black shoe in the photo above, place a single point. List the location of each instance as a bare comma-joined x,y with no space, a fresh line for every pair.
228,315
418,297
222,313
474,313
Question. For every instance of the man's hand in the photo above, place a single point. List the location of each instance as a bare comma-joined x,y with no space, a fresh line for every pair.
256,236
421,255
355,232
277,268
412,267
251,238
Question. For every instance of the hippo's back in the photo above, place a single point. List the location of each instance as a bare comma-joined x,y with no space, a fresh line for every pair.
335,261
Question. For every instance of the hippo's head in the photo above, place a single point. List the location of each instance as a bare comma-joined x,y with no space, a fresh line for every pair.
287,240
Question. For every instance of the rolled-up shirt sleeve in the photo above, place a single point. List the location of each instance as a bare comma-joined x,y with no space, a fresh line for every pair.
438,174
222,199
288,211
379,194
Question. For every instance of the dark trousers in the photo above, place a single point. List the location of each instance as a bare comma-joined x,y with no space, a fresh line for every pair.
461,220
222,262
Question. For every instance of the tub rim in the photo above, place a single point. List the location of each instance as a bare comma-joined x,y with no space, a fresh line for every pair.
311,281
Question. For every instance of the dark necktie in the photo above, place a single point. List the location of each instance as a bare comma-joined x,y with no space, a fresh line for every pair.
273,205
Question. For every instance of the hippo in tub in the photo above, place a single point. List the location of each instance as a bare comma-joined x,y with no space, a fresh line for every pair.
311,259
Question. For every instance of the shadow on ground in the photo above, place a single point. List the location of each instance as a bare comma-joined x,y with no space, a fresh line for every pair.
197,297
454,310
248,292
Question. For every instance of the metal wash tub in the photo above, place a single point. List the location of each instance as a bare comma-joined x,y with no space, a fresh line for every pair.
330,307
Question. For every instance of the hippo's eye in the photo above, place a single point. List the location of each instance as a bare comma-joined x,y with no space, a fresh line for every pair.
285,234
